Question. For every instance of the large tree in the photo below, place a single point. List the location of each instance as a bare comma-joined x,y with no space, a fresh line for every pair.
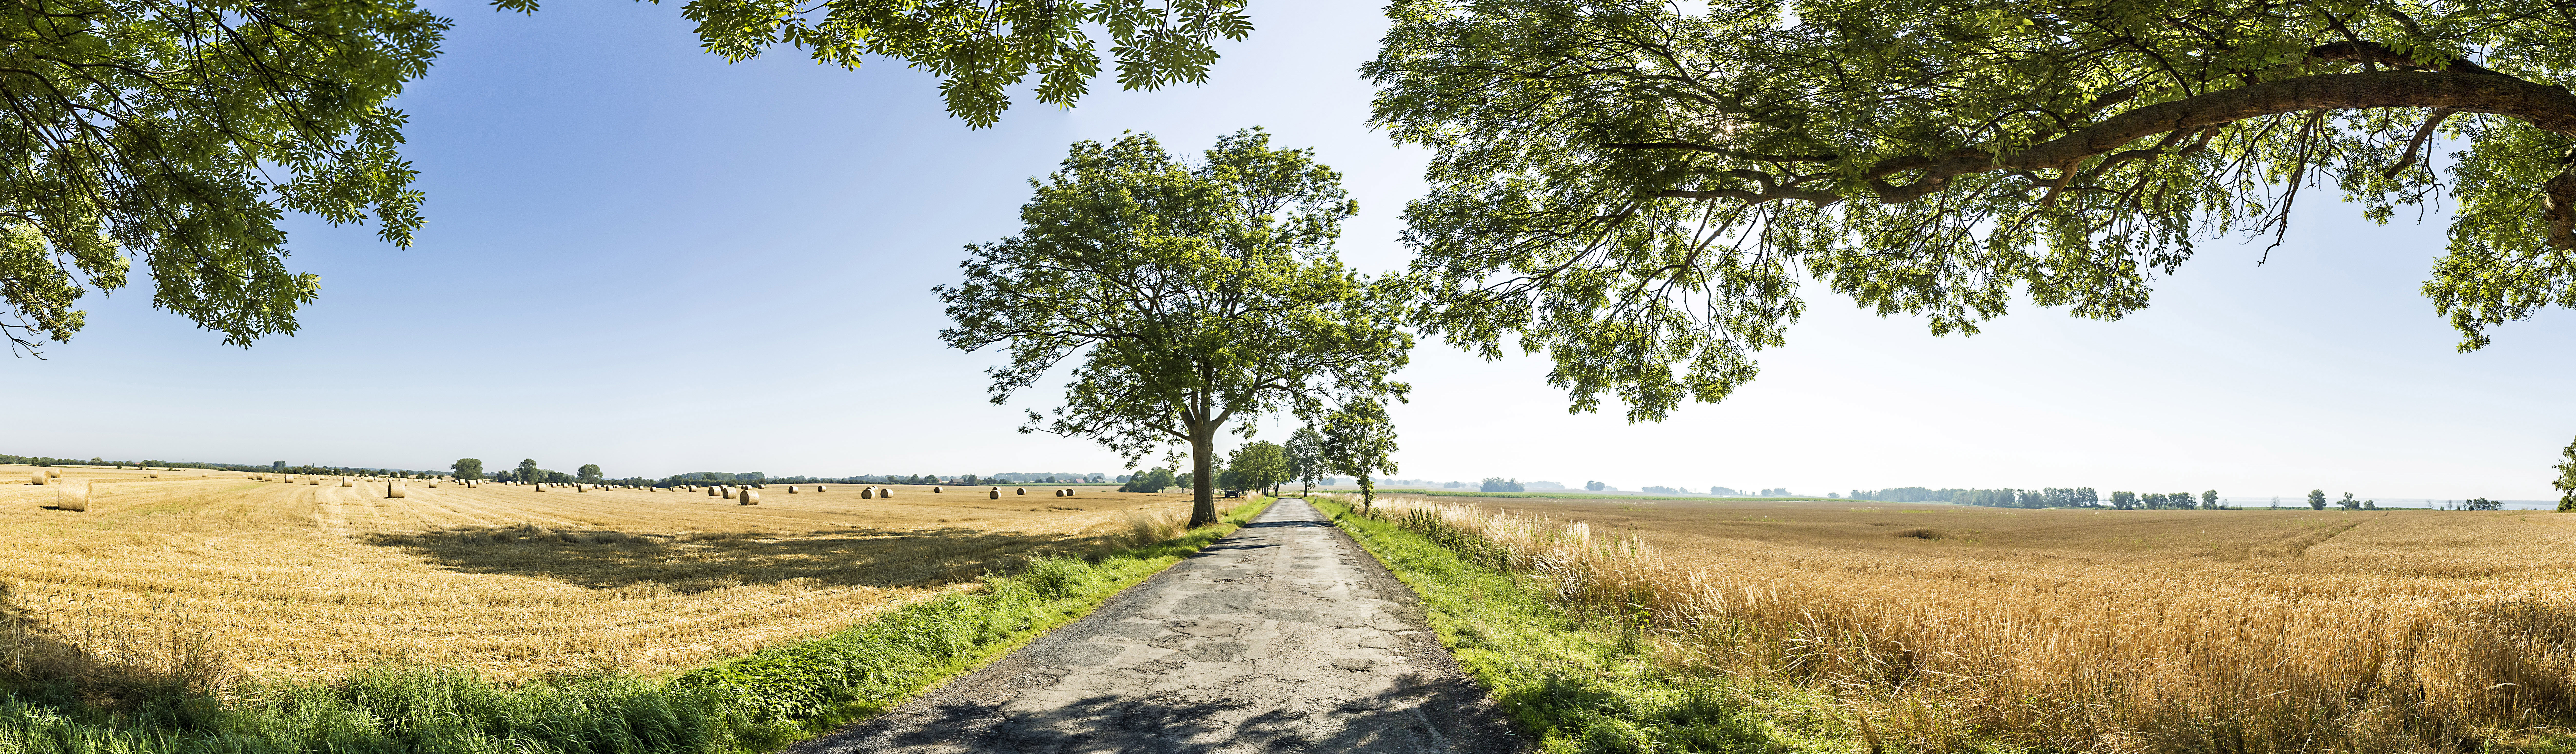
1184,296
1260,466
467,469
145,139
1359,440
1306,463
2566,480
1639,188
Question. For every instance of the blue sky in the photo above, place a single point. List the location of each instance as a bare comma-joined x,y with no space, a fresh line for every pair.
642,257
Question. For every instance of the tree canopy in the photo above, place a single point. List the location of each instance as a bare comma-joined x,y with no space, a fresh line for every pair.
1639,188
1359,440
1306,463
165,141
1260,466
981,48
1184,297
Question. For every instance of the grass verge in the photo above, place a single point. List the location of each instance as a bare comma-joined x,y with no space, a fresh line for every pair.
1590,683
753,703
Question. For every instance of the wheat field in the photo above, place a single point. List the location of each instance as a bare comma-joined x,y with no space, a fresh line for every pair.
1951,627
311,581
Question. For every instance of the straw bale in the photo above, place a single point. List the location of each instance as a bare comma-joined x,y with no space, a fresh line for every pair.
728,493
1022,491
818,488
750,497
996,494
886,492
866,493
791,489
50,473
394,490
72,495
37,479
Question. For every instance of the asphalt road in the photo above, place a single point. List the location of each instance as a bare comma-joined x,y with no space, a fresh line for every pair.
1283,637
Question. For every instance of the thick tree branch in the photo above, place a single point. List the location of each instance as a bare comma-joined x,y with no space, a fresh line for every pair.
2546,107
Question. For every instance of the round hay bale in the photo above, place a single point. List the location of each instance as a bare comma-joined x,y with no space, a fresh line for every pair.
1023,491
37,478
1058,493
728,493
791,489
818,488
1068,492
996,494
52,474
72,495
393,490
867,493
934,489
885,493
433,484
344,482
711,492
750,497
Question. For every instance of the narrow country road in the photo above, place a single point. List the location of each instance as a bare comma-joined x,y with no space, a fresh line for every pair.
1282,637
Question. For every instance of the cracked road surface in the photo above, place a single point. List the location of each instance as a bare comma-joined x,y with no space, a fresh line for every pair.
1283,637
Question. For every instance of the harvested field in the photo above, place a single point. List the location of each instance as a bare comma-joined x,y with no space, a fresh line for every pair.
2086,630
315,580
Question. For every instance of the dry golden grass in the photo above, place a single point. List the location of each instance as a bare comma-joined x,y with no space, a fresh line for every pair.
2234,631
312,581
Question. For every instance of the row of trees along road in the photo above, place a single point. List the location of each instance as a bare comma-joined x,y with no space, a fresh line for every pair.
1636,190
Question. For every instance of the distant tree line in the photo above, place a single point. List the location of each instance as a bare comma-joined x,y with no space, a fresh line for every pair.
275,466
2047,497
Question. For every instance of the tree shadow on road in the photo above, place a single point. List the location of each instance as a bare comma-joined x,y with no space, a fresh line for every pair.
1419,714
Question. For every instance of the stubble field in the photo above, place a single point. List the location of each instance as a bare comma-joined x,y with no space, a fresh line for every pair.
1953,627
299,580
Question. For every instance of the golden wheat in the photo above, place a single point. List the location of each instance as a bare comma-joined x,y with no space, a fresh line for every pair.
2239,631
316,581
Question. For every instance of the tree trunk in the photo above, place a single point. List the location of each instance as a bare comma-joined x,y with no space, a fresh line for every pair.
1202,476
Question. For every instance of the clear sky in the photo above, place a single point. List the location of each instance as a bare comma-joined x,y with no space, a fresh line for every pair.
642,257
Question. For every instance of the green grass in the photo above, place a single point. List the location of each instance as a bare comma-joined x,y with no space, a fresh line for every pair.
758,702
1588,683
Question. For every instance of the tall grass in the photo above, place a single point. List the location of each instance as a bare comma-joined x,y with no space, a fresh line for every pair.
2111,665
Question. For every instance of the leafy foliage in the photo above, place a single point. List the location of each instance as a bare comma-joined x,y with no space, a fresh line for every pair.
1306,463
980,48
1258,466
1359,440
1185,297
2566,481
1638,189
166,139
